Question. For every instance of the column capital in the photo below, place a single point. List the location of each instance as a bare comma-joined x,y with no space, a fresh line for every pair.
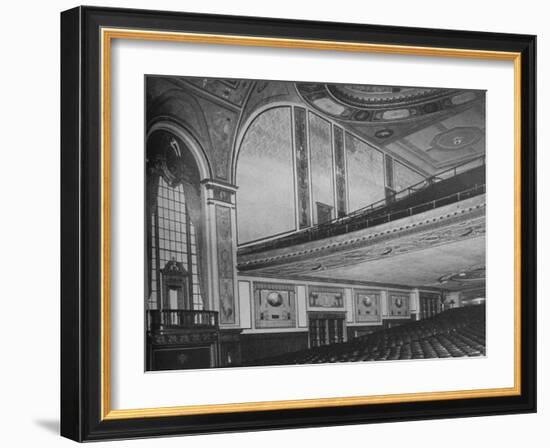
218,192
219,184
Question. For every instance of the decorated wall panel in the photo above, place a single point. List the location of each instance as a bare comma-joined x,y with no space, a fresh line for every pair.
302,167
399,304
322,184
323,297
225,266
230,90
340,172
365,167
367,306
274,305
265,178
389,171
221,123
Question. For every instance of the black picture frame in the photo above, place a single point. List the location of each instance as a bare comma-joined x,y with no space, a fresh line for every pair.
81,224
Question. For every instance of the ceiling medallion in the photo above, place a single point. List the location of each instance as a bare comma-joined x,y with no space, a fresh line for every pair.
457,138
383,133
474,274
362,95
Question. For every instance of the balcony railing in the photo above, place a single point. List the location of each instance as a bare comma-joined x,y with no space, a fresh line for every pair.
399,205
181,319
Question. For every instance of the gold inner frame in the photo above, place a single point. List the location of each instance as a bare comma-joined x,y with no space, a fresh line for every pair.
107,35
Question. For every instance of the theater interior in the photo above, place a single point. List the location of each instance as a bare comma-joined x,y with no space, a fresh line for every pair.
305,222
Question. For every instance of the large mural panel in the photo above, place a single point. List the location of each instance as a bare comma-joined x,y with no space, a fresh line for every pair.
265,177
365,167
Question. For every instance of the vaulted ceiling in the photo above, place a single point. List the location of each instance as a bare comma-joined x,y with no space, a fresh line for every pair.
430,128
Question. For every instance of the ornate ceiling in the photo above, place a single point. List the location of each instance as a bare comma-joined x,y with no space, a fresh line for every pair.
447,141
375,104
399,119
231,90
429,128
468,277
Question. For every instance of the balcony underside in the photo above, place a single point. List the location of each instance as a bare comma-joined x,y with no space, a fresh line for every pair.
417,250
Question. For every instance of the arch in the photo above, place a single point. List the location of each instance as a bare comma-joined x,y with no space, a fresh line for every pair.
243,129
179,106
266,158
182,194
203,164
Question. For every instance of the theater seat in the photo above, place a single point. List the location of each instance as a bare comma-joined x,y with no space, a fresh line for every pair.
455,333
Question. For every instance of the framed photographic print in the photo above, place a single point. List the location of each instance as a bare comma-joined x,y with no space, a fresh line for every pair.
274,224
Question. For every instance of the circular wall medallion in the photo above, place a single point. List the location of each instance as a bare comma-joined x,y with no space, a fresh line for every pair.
367,301
274,299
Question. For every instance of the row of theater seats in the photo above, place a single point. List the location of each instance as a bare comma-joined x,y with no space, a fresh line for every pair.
459,332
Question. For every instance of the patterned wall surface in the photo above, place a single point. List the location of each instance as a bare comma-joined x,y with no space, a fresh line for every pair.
274,305
229,89
365,167
399,304
302,167
265,177
320,147
389,171
222,124
340,168
367,306
225,265
322,297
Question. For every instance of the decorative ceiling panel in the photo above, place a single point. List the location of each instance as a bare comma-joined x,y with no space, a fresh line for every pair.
376,104
233,91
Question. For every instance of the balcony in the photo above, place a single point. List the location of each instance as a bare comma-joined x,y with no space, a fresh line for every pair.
450,186
161,320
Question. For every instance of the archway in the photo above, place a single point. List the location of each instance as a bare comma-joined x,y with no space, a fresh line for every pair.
176,255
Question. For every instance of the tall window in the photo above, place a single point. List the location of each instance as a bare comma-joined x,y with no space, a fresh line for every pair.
173,239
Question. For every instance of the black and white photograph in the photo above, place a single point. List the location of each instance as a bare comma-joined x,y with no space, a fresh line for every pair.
275,224
308,223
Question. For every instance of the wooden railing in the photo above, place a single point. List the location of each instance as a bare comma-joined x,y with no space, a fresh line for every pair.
181,319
